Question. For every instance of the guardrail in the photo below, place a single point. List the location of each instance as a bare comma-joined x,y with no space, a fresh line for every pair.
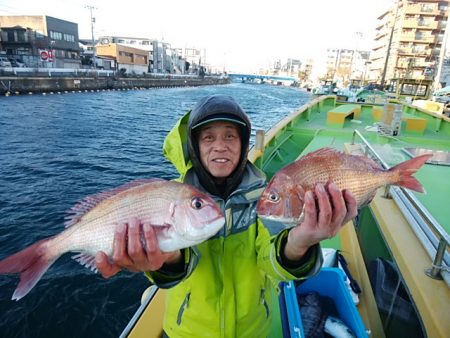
419,216
53,72
90,72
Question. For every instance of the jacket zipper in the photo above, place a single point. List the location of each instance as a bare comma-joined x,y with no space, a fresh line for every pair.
182,308
264,302
228,225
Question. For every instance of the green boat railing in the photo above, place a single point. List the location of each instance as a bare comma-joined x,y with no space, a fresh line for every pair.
431,234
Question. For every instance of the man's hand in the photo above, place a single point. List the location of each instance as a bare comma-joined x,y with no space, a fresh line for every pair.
323,219
136,249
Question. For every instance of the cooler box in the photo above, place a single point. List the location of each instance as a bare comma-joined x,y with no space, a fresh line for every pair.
330,283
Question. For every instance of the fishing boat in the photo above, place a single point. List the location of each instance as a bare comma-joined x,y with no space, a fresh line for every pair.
326,87
397,249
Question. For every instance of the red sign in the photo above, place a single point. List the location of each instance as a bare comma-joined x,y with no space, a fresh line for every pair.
47,55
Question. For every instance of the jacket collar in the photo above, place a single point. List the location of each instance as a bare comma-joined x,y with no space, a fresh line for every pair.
249,190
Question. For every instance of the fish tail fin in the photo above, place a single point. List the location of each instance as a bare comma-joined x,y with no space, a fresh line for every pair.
31,263
406,169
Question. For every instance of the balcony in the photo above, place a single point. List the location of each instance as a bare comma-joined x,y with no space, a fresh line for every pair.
417,38
421,24
424,9
381,34
415,63
414,51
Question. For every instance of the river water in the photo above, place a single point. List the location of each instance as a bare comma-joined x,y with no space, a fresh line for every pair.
57,149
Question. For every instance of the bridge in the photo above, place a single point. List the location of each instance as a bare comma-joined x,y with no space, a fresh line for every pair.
262,78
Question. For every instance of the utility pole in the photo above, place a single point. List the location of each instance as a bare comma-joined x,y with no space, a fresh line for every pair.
438,71
92,34
359,36
388,52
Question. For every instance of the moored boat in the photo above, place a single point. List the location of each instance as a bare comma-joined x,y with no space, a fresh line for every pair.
397,249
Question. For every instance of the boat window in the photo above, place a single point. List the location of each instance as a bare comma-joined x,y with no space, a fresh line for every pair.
440,157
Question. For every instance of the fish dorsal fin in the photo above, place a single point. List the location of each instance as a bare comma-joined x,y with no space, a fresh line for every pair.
90,202
324,152
348,161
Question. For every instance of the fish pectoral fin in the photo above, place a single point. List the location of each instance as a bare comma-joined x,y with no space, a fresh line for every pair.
163,231
172,210
87,261
301,218
369,198
300,195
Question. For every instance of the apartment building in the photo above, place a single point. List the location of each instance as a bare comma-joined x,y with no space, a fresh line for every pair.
345,66
195,57
409,42
40,41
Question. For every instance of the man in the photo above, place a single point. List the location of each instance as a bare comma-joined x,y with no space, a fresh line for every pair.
223,287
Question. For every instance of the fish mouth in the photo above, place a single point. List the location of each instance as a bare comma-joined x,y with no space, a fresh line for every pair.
287,221
211,229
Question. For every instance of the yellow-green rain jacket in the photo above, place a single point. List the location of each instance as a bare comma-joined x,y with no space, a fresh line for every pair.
225,289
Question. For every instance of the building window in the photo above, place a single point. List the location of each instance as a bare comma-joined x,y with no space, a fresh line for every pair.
21,36
69,37
426,8
56,35
23,51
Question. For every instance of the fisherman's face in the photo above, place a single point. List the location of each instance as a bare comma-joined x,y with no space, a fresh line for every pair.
220,148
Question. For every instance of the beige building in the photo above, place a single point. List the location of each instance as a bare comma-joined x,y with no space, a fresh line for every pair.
133,60
409,42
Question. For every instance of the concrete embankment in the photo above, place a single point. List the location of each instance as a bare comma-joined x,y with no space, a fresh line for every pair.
27,85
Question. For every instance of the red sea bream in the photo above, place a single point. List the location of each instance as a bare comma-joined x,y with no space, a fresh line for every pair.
282,200
182,216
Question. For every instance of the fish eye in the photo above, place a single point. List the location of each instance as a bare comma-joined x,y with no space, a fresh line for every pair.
197,203
273,197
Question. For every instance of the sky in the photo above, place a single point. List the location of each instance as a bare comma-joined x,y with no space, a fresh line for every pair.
240,35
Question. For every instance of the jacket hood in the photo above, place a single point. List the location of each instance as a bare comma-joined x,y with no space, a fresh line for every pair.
181,146
214,108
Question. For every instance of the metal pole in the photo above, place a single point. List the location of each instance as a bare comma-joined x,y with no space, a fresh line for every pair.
437,79
435,270
92,34
259,143
388,52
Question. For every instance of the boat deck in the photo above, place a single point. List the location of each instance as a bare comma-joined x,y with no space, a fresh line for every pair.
386,229
389,228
